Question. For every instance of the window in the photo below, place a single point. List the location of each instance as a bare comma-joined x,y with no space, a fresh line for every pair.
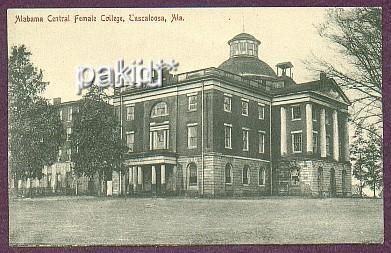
227,136
228,173
297,142
250,47
61,118
227,103
261,112
246,175
235,48
328,147
245,108
69,154
69,132
192,136
160,109
315,142
245,139
192,100
261,176
59,155
130,113
314,114
70,114
296,112
242,47
261,144
159,139
130,141
295,176
192,174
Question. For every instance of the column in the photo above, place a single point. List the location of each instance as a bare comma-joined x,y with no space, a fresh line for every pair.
153,179
134,171
130,179
346,150
283,132
139,178
308,119
163,177
174,173
322,134
335,136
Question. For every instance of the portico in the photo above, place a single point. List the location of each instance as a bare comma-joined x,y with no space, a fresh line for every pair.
156,175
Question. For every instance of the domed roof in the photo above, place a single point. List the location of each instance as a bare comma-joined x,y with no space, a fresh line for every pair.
243,36
247,65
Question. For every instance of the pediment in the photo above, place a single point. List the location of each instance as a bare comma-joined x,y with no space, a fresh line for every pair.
334,92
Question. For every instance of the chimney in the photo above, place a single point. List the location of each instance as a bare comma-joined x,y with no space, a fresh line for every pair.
56,101
322,76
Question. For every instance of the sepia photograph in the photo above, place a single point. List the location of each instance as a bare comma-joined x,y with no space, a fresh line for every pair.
195,126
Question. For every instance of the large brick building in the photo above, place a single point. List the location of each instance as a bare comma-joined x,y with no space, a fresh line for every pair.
239,129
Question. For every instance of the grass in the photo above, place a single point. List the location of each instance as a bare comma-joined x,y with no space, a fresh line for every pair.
127,221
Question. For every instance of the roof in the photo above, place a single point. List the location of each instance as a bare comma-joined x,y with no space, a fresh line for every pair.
321,86
247,65
244,36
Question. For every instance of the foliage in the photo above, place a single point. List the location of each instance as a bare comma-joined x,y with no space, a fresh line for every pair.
35,129
356,34
367,155
96,138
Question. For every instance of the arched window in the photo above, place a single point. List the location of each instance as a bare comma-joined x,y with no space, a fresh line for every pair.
192,174
160,109
261,176
246,174
228,173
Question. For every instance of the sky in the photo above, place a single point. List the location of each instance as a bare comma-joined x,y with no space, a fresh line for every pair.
199,41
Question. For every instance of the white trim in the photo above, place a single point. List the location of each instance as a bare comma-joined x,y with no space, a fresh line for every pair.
264,177
292,107
191,124
230,135
246,158
190,87
230,103
261,131
245,128
293,143
151,160
248,107
129,132
156,128
301,98
228,95
245,99
160,123
192,94
297,132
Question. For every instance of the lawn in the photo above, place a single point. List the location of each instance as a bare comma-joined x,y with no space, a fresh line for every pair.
129,221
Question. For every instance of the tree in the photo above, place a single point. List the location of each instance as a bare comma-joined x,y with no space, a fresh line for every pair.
367,155
35,129
357,152
356,35
96,138
373,161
